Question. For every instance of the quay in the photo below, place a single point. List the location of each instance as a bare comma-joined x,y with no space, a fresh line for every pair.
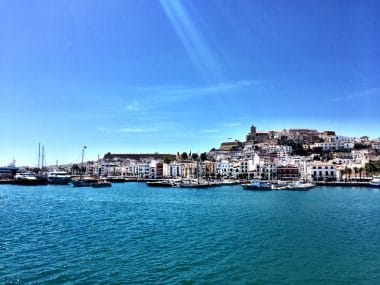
344,184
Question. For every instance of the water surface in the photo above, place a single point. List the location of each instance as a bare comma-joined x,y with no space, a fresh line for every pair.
134,234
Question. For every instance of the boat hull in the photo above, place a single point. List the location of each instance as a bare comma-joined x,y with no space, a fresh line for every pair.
30,182
256,188
59,180
159,184
101,184
195,186
81,183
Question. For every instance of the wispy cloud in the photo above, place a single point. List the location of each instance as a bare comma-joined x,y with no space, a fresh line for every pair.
364,94
232,124
209,131
102,129
134,106
137,130
172,93
194,43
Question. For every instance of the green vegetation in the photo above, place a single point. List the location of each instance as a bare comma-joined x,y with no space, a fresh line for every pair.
167,159
184,155
203,156
372,167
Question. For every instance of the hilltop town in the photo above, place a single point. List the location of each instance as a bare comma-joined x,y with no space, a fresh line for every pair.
282,155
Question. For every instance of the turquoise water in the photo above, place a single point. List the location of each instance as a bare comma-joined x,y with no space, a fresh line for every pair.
134,234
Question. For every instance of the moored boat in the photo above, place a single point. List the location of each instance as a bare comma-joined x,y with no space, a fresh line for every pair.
257,185
29,179
101,184
300,186
115,179
375,182
58,178
84,182
162,183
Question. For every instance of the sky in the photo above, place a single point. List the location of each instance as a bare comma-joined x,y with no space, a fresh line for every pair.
168,76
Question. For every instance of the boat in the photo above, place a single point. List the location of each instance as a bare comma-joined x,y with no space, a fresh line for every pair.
101,184
58,178
375,182
300,186
115,179
194,185
83,182
162,183
257,185
29,179
279,186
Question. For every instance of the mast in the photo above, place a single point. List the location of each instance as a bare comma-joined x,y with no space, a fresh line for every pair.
81,166
43,157
39,155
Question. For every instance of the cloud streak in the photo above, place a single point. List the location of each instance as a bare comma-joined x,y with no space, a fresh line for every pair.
137,130
192,40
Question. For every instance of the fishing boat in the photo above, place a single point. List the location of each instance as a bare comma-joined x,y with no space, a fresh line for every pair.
58,177
257,185
375,182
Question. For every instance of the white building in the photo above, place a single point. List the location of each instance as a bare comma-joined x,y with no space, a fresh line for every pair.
224,168
172,170
328,146
322,172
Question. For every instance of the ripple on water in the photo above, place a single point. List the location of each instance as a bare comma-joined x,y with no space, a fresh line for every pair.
134,234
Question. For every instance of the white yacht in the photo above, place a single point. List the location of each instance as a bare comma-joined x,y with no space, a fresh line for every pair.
29,178
58,177
375,182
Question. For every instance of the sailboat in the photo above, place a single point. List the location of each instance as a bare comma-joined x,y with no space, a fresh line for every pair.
83,182
89,182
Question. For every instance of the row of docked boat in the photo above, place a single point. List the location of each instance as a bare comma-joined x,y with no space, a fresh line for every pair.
57,178
266,185
189,183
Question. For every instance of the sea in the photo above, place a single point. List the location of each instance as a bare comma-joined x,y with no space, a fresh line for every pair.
133,234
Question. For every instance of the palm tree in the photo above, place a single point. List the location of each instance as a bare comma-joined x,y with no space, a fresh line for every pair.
356,170
343,173
349,171
360,172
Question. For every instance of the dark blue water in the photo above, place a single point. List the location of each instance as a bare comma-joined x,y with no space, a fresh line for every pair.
134,234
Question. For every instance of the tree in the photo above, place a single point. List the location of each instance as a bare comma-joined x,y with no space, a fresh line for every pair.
194,156
361,169
356,170
349,171
75,169
167,159
343,172
184,155
203,156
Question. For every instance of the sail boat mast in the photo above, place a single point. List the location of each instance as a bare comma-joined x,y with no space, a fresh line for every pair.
81,166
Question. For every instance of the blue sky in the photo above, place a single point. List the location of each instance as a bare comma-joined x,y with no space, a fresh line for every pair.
168,76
